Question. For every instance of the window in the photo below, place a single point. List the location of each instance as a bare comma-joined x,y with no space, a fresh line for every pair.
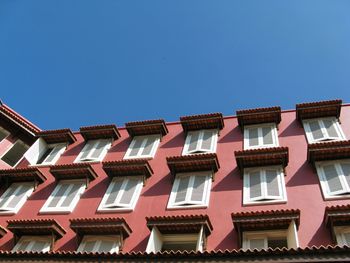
202,141
335,178
15,196
33,243
94,150
122,194
264,184
342,235
103,243
190,190
259,136
65,196
15,153
325,129
143,147
3,134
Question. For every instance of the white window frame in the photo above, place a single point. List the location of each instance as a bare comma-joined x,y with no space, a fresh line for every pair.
9,199
70,208
52,147
6,132
198,149
323,180
339,234
10,147
98,240
336,124
188,203
119,207
143,144
265,199
260,136
92,150
32,240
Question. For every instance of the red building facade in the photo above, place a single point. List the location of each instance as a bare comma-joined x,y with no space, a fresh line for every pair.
265,183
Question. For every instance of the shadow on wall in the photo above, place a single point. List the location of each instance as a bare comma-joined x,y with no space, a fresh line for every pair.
231,181
162,187
121,146
305,175
141,247
229,241
8,246
175,142
234,135
321,236
70,245
293,129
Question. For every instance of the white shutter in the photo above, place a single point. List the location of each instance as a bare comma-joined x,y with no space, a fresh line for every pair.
333,180
54,154
107,246
34,153
346,171
129,192
316,130
253,137
86,150
112,192
136,146
147,148
201,240
255,186
193,141
88,246
15,196
292,236
155,241
198,189
70,195
267,136
182,188
329,125
207,140
98,149
272,184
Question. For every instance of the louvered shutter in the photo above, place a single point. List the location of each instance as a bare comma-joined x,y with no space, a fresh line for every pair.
333,180
19,195
207,140
346,171
129,192
316,130
72,193
107,246
5,197
198,189
257,243
267,135
182,189
113,194
86,150
23,245
194,139
253,137
98,149
272,184
330,128
58,195
255,192
53,153
39,246
347,238
136,147
88,246
148,146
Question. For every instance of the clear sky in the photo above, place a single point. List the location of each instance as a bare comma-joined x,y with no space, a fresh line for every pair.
71,63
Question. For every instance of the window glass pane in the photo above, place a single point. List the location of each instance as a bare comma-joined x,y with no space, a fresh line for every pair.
106,246
315,130
346,170
43,157
253,137
53,153
71,195
332,178
277,243
86,150
129,191
18,196
116,185
62,189
89,246
3,134
198,188
15,153
254,185
99,149
272,183
257,243
182,189
39,246
7,194
267,135
23,245
137,146
207,140
193,141
332,132
148,147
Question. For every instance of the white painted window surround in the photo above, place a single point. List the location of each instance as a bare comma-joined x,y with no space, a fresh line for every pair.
33,243
94,150
201,141
260,136
323,129
105,243
15,196
143,147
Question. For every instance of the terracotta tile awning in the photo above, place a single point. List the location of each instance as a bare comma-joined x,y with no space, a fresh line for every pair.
73,171
100,226
180,224
57,136
35,227
331,150
193,163
204,121
132,167
329,108
22,175
259,115
336,216
262,157
100,132
148,127
264,220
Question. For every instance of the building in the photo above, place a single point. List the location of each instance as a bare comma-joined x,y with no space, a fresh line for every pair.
264,185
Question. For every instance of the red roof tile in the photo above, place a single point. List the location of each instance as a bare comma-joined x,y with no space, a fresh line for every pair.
148,127
22,175
331,150
100,132
57,136
259,115
73,171
328,108
203,121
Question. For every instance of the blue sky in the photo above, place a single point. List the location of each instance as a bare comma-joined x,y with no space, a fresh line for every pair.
71,63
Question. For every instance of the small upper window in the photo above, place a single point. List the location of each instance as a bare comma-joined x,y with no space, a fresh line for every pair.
324,129
335,178
15,196
264,184
15,153
33,243
3,134
265,239
190,190
65,196
122,194
94,150
342,235
202,141
260,136
105,243
143,147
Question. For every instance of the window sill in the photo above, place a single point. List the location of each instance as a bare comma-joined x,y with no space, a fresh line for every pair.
187,207
270,202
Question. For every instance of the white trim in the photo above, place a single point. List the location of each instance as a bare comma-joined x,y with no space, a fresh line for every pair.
32,240
107,146
144,139
117,206
7,133
325,137
10,147
58,208
20,203
98,239
323,180
264,198
188,203
199,149
261,144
